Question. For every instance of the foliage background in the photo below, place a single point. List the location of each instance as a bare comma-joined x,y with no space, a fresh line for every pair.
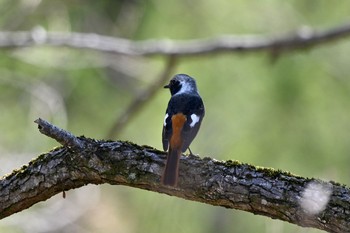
289,113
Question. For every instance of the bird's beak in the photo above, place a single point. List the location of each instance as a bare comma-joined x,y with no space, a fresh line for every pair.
166,86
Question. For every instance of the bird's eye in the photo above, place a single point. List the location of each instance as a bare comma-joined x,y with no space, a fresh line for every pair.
175,82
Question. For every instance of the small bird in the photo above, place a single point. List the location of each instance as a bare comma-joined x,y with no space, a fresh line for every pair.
182,120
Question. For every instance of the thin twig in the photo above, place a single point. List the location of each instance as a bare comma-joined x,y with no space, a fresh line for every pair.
302,38
142,99
62,136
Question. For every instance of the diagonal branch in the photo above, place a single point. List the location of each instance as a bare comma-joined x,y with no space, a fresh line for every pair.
263,191
60,135
142,99
302,38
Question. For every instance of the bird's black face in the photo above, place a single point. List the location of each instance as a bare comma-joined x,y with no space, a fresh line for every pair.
174,86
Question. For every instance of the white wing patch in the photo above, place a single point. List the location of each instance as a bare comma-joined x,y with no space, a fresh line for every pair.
195,120
166,117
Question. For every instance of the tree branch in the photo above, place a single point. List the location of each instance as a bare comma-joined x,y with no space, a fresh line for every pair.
62,136
140,100
302,38
263,191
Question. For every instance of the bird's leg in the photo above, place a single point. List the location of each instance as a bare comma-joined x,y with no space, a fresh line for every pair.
191,154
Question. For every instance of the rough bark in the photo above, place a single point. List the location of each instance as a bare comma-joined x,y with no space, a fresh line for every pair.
81,161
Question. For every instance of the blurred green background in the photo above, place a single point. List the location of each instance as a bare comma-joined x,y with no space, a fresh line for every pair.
291,113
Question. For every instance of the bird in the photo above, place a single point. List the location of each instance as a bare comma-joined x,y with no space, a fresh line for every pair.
183,118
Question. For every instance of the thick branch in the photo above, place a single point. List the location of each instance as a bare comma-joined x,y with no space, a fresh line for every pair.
263,191
302,38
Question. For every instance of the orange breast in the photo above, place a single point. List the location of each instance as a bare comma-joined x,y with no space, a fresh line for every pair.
177,121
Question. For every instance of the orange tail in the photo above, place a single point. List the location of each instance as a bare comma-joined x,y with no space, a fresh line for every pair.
171,171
